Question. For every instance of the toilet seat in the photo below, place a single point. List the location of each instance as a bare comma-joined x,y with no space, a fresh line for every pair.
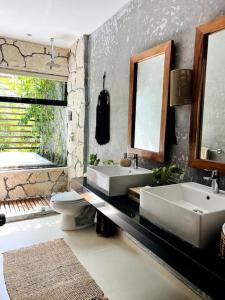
68,197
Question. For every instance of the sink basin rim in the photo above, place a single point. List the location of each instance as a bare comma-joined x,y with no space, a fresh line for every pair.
192,186
143,171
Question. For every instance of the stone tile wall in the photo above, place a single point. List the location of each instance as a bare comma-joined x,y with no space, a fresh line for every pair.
20,184
20,56
77,99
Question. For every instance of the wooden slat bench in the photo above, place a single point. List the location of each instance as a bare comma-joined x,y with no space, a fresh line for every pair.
24,206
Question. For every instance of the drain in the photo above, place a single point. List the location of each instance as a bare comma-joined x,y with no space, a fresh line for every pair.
198,211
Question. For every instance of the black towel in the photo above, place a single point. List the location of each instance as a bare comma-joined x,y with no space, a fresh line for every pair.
102,133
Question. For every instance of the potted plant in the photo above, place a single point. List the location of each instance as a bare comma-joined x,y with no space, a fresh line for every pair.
93,160
167,175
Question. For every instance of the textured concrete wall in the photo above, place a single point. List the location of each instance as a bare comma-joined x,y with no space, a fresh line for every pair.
31,183
140,25
77,98
20,56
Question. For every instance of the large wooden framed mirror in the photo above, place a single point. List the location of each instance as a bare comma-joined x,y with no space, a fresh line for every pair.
148,101
207,131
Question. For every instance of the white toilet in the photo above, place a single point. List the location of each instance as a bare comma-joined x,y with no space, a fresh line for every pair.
72,209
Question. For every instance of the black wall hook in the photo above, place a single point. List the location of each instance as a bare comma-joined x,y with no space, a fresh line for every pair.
104,78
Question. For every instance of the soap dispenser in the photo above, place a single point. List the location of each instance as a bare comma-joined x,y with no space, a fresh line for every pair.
125,162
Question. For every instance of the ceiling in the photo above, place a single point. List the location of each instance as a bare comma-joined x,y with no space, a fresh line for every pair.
62,19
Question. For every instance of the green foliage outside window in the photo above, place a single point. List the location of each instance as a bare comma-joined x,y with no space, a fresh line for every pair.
41,117
31,87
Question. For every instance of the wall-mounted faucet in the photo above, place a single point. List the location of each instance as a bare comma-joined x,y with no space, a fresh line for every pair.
215,178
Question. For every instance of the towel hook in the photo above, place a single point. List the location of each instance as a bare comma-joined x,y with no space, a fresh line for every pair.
104,77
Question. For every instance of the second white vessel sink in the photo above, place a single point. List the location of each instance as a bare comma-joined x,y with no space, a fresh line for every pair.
115,180
189,210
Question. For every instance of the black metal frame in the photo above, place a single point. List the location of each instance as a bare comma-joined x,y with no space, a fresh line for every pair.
36,101
21,100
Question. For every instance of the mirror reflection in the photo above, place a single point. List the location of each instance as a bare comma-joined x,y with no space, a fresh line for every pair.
149,90
212,146
148,101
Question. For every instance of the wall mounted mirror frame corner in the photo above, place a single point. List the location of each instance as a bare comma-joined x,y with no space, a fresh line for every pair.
148,101
207,132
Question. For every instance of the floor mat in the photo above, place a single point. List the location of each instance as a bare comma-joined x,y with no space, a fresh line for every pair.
48,271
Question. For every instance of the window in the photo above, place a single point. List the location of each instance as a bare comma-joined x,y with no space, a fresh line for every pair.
33,122
32,90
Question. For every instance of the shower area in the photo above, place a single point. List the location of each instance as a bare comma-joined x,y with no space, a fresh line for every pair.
33,144
42,120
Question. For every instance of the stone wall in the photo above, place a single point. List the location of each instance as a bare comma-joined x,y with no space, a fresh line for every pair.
77,99
20,184
20,56
140,25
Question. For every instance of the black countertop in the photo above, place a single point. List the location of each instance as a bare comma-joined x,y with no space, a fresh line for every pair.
202,267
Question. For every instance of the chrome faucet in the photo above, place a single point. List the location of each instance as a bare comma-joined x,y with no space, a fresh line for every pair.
134,158
215,178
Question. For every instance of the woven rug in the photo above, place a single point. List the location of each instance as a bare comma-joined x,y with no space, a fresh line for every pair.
48,271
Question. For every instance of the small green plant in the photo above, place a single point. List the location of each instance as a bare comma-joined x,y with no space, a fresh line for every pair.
108,162
93,160
167,174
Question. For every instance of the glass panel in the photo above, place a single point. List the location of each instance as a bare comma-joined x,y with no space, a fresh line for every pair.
31,87
32,135
213,134
149,103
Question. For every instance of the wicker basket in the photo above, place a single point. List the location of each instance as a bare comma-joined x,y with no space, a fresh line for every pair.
222,243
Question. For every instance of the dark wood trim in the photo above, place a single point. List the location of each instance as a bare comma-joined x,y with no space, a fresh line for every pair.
9,119
165,48
20,148
200,56
12,113
18,137
21,206
14,125
9,131
14,107
19,100
22,142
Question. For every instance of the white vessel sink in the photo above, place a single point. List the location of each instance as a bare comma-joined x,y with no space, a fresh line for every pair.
115,180
189,210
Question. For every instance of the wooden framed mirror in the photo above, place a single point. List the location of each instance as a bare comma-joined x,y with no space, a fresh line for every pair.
148,101
207,131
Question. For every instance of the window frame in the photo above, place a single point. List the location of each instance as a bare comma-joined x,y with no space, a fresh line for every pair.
37,101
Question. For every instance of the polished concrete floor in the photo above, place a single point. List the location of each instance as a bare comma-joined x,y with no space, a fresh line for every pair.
121,269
